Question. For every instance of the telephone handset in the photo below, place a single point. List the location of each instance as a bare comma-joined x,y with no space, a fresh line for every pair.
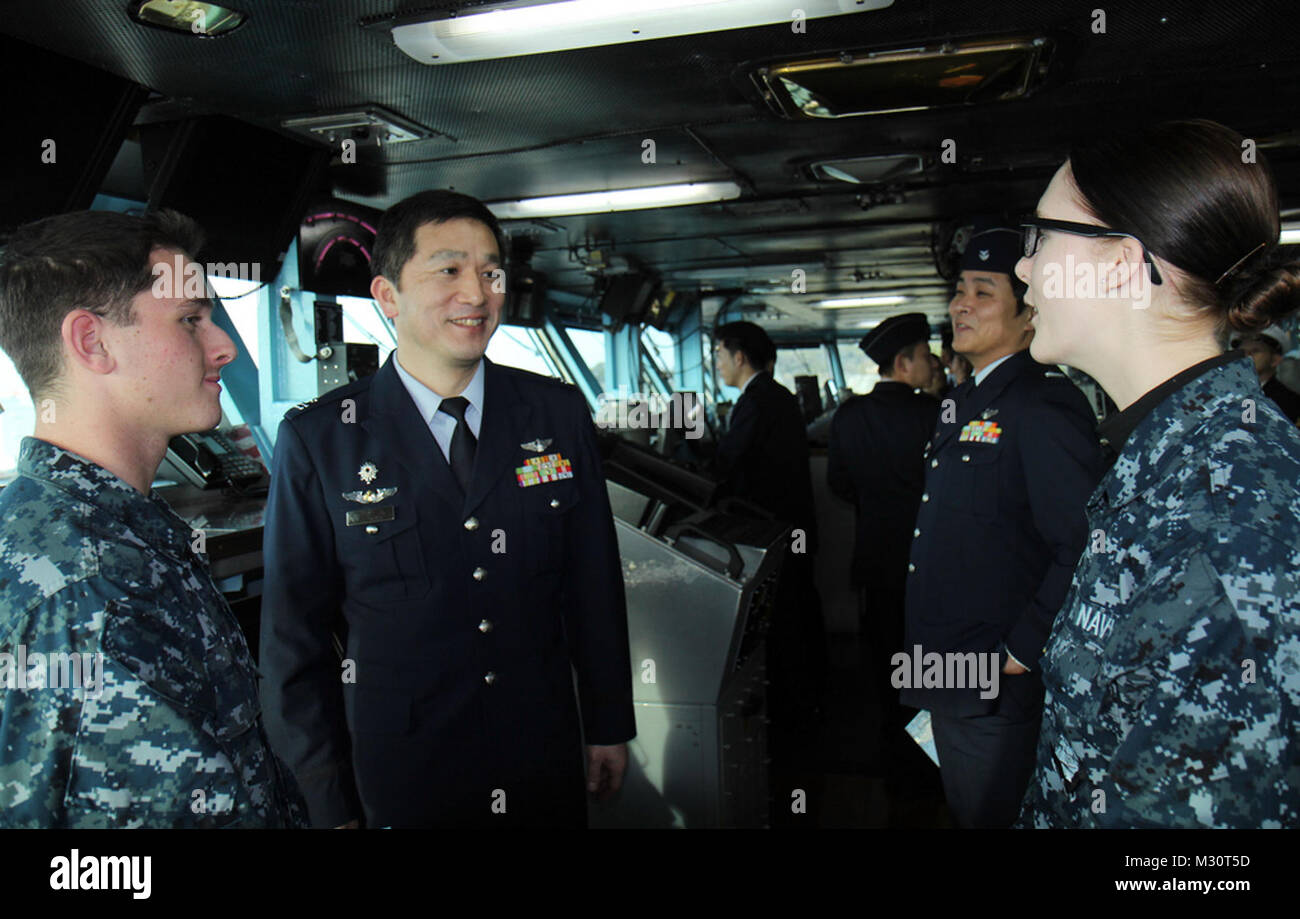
210,460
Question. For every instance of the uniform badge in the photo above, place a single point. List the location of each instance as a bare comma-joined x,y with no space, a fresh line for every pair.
538,445
370,495
539,469
367,474
981,432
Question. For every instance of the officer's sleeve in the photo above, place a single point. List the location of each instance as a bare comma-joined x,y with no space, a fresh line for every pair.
595,615
302,689
742,430
1214,743
1061,463
838,478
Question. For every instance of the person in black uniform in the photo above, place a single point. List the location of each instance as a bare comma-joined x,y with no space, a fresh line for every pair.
451,515
875,463
1265,349
1000,527
763,458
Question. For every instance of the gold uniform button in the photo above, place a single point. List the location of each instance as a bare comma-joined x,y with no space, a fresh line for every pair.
911,567
934,463
372,529
965,457
485,626
916,532
555,502
489,678
925,497
471,524
480,574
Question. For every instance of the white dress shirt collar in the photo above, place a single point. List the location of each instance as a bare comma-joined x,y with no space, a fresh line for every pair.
427,401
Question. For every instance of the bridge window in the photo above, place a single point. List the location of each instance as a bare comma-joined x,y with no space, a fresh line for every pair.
799,362
512,346
240,299
860,374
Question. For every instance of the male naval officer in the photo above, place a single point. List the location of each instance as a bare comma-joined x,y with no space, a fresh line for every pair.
128,697
451,516
1000,527
875,463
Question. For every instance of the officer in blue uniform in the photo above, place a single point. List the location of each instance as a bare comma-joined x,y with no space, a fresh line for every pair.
1000,527
449,517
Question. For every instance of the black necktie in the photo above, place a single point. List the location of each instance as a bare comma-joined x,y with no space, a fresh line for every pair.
463,442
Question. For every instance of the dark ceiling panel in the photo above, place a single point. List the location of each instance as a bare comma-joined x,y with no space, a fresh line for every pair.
575,121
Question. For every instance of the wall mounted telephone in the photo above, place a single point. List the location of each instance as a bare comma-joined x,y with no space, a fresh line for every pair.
208,460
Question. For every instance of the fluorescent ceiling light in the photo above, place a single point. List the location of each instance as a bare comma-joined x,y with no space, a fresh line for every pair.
525,27
1290,236
202,20
852,302
623,199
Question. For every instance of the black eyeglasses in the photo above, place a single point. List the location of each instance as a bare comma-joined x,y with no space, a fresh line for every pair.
1031,235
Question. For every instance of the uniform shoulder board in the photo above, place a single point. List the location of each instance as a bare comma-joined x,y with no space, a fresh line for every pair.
302,407
1055,375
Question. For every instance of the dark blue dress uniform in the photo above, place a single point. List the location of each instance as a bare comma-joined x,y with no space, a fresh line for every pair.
465,615
1000,527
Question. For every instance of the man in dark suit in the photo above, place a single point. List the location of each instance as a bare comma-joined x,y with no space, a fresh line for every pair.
875,463
763,458
1000,527
449,516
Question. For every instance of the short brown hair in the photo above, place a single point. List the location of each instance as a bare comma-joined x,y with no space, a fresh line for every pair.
91,260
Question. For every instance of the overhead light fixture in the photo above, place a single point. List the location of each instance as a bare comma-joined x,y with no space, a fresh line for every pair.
370,124
904,80
623,199
1290,235
202,20
860,170
530,27
845,303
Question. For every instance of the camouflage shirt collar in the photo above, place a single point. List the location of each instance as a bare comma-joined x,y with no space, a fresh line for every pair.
149,518
1161,436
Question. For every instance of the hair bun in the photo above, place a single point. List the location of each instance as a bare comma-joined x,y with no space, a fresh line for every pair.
1263,296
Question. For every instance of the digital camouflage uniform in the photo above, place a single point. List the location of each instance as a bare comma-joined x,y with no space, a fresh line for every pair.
89,565
1173,669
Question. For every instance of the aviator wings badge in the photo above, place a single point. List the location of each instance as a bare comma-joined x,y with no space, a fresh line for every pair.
537,446
367,474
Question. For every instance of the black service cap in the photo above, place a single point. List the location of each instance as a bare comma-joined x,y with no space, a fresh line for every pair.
992,248
893,335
